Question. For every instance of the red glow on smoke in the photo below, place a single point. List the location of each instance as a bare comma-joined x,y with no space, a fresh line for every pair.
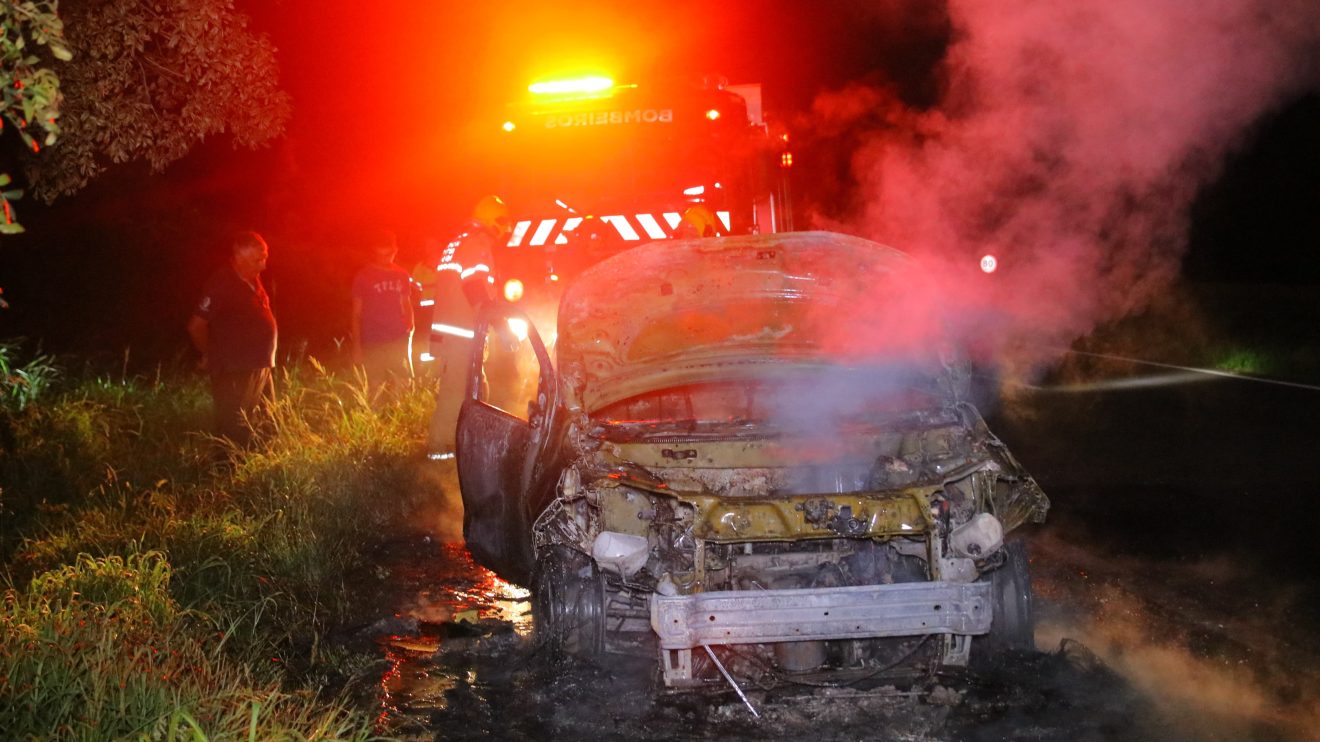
1070,142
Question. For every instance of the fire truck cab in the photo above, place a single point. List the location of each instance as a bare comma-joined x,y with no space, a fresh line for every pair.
590,168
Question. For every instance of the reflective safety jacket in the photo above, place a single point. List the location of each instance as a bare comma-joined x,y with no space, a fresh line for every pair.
423,279
463,280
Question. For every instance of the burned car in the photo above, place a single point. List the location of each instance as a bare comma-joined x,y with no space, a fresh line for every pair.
753,457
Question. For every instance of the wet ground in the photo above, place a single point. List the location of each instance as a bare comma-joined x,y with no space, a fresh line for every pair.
1176,600
1126,654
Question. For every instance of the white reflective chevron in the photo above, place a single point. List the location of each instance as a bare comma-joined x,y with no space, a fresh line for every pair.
570,224
651,226
542,232
621,225
519,231
626,226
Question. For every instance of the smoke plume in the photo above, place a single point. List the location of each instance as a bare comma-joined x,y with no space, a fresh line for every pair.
1212,671
1070,143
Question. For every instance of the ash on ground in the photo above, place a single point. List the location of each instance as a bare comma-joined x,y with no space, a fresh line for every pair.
479,674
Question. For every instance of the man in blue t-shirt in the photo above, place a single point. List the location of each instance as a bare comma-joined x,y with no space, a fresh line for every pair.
382,320
234,330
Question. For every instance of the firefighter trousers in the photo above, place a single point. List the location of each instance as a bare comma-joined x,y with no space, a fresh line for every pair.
453,356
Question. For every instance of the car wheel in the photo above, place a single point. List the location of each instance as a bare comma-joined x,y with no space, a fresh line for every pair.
568,608
1014,626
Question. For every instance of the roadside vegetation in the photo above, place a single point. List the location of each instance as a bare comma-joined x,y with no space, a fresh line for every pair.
1256,331
159,584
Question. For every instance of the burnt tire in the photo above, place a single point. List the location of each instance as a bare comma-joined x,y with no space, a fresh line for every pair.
568,603
1014,625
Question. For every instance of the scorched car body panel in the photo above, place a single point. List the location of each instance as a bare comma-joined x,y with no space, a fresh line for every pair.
692,310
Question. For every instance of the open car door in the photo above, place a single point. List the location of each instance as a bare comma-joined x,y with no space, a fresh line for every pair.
501,425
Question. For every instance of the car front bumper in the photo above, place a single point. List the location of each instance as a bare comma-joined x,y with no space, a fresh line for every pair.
857,612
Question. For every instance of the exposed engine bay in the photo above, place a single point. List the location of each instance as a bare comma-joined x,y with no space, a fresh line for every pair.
735,542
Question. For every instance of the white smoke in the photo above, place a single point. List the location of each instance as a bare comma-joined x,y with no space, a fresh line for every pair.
1070,143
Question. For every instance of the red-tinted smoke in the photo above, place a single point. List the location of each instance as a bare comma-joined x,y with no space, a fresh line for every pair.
1070,142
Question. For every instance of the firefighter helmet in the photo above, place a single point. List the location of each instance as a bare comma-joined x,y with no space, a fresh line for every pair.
698,221
491,212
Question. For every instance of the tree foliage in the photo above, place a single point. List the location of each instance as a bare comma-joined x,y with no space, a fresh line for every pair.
152,78
31,90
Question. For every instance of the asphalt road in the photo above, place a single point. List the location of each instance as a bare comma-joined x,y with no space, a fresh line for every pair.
1197,467
1182,542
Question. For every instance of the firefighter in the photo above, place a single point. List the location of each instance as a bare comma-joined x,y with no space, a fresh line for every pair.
464,281
698,221
590,243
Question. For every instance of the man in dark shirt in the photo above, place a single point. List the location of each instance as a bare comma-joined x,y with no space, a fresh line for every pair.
233,328
382,319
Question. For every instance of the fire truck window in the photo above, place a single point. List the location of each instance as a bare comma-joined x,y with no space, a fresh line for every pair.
509,370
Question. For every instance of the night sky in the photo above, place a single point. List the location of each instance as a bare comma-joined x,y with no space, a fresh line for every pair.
391,104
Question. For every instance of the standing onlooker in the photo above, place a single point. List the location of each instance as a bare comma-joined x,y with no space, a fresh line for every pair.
235,332
382,329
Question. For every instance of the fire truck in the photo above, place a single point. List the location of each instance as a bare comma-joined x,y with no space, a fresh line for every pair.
590,167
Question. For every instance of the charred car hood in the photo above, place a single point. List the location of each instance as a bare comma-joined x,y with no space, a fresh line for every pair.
679,312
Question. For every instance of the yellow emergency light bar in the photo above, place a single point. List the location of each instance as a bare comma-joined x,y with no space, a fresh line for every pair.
590,84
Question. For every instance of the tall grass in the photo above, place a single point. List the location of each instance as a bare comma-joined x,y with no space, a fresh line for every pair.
23,380
164,584
81,436
99,649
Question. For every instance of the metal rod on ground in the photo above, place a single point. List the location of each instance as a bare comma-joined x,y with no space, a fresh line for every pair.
729,678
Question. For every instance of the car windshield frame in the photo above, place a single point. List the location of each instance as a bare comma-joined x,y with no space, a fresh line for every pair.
810,399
